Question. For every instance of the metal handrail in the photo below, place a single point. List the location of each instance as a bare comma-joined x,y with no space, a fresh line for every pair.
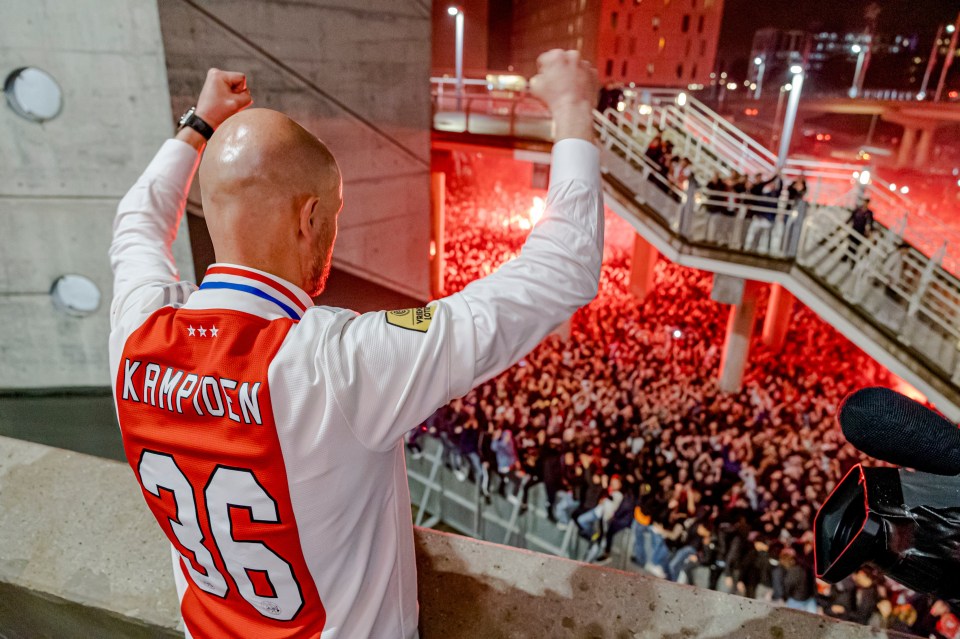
929,299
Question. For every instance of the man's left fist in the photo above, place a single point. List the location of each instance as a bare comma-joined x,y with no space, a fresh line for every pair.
224,93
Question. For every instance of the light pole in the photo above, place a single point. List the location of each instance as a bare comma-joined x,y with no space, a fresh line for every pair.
457,12
793,104
761,67
931,62
951,54
857,85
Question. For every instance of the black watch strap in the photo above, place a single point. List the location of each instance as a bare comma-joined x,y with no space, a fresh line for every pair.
195,122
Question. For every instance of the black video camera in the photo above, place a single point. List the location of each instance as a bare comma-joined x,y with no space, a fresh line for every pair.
905,522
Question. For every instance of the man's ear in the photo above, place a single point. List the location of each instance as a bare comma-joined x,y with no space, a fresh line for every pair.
310,221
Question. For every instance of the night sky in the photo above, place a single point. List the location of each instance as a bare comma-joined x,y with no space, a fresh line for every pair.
907,17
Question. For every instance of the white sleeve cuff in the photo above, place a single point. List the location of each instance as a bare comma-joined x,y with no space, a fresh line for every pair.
575,159
174,163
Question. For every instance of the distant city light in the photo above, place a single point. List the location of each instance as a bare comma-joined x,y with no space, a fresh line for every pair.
864,178
645,109
951,28
758,60
795,69
731,86
856,48
621,105
723,75
893,187
753,86
788,87
677,333
681,99
904,189
453,10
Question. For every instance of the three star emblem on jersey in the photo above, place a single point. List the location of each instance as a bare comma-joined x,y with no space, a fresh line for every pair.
412,319
193,332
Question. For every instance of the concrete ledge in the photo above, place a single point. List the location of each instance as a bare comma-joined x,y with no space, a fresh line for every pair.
80,556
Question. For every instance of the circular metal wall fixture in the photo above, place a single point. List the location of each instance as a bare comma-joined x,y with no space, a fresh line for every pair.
33,94
75,295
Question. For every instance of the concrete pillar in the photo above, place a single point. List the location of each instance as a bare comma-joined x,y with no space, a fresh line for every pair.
642,267
923,148
776,323
438,194
736,345
907,143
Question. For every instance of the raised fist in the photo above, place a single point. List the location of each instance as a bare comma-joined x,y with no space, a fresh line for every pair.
224,93
563,79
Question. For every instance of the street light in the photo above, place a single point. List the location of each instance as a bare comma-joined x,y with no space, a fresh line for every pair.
457,12
857,85
761,67
790,119
948,61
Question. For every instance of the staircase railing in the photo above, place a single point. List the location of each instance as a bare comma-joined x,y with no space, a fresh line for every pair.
904,293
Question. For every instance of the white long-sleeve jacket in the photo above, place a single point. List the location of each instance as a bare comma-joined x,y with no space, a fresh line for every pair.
265,431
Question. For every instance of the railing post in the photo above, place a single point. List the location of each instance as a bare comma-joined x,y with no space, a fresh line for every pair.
926,276
513,117
687,211
466,116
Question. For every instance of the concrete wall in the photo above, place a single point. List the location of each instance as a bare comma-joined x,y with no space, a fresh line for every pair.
302,58
81,556
60,181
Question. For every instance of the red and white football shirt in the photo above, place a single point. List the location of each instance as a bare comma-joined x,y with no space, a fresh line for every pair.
265,432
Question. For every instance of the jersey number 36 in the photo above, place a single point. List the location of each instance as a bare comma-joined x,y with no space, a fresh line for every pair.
226,488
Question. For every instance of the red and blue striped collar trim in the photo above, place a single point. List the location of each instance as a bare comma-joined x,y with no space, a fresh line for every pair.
291,300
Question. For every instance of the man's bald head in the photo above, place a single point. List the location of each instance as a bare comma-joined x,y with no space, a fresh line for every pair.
271,195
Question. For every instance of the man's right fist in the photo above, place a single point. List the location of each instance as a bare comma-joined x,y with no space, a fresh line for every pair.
224,93
563,79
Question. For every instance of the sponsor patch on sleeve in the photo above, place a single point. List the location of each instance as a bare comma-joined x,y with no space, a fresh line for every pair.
412,319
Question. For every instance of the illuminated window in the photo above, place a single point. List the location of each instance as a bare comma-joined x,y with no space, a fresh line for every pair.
609,68
656,23
685,24
613,19
583,4
661,45
650,69
580,44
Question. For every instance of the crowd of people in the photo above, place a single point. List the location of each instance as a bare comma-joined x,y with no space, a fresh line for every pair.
625,426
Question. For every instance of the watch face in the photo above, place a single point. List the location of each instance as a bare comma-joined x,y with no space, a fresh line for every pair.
186,116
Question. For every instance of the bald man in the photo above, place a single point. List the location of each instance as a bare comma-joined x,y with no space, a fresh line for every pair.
265,432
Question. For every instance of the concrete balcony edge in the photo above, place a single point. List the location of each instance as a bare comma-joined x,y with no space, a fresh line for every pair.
81,556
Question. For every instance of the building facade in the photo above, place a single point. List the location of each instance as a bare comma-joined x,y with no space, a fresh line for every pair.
647,42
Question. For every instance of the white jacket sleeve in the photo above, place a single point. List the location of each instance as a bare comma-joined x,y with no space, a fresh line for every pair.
144,230
390,371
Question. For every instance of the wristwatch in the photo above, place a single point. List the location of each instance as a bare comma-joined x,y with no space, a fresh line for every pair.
195,122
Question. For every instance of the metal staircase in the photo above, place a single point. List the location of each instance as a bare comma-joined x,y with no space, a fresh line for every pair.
899,304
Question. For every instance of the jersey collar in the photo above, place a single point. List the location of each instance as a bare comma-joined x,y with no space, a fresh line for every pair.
251,290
